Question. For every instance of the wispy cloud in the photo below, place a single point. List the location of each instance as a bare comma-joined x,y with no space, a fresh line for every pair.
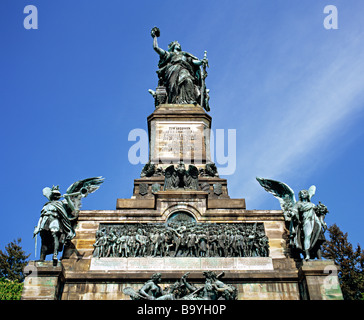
297,129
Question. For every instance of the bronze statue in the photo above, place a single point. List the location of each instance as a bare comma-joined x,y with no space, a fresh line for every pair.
305,219
309,225
180,74
213,289
58,217
151,289
180,177
210,170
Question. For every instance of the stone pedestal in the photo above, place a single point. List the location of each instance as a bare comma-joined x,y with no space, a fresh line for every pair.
43,281
179,133
319,280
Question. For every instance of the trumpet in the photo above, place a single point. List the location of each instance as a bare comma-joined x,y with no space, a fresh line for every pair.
83,192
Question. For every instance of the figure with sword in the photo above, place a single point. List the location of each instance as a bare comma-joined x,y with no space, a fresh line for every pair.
181,80
204,102
58,217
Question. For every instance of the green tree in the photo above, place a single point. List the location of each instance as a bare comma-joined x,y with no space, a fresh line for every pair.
10,290
350,262
13,261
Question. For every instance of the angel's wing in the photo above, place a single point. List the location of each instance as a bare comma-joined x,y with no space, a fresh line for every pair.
311,191
193,171
211,170
278,189
191,178
90,184
148,170
169,171
169,177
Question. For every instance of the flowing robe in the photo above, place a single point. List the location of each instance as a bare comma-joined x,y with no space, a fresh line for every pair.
55,217
180,76
309,228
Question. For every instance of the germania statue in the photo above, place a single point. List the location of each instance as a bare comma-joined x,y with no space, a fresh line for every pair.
181,80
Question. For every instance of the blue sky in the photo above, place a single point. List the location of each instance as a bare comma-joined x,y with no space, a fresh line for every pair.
72,90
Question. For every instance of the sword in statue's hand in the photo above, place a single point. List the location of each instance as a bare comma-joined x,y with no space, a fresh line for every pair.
205,63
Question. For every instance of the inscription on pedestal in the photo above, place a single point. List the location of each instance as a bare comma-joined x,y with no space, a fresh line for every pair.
179,141
188,263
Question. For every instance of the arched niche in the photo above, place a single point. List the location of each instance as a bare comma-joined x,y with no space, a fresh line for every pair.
181,217
181,211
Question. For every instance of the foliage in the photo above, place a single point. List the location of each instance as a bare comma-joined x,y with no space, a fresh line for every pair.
350,261
10,290
13,261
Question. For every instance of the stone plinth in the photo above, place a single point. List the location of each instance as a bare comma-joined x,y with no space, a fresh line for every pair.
113,290
262,279
42,281
319,280
205,184
256,278
179,133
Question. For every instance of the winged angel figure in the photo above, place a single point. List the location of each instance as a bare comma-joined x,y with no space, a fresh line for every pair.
58,217
180,177
306,220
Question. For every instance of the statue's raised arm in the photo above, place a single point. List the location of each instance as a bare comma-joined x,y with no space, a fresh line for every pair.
155,33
